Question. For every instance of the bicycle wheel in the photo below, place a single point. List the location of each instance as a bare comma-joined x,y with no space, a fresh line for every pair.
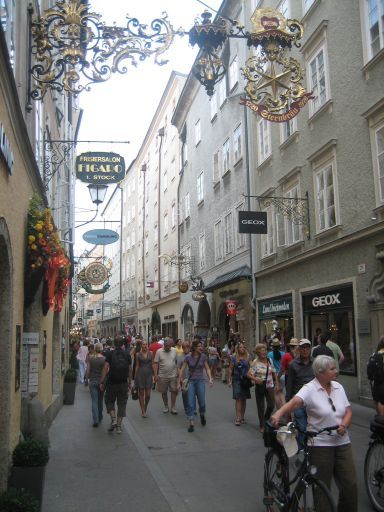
275,481
374,474
312,497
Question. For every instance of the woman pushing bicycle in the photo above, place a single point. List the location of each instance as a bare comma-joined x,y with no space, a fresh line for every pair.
327,404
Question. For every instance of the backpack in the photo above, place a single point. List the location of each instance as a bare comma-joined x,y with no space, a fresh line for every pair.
119,366
375,368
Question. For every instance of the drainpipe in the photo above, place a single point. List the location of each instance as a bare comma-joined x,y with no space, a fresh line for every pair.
161,135
144,170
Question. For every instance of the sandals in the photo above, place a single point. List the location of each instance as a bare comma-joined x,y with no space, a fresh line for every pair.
243,422
237,423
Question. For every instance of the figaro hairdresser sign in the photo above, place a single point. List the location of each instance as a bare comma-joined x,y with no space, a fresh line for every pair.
100,168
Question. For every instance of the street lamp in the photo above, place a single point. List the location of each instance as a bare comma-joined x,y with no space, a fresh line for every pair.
97,193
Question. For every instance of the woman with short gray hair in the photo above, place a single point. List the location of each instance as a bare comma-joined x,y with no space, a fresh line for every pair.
327,405
95,365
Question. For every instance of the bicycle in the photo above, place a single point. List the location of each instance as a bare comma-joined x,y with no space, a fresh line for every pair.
308,492
374,464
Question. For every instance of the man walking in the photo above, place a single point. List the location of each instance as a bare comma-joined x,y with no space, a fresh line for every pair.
165,373
322,348
116,378
299,373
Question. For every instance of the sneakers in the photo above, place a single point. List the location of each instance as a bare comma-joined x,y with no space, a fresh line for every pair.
118,429
165,410
173,411
95,425
112,426
203,421
191,428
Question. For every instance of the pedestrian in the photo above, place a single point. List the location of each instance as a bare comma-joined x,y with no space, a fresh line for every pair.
196,362
82,358
375,373
213,357
116,380
95,367
179,361
292,352
276,354
337,353
327,405
165,374
322,349
179,347
263,374
144,376
239,368
300,372
155,345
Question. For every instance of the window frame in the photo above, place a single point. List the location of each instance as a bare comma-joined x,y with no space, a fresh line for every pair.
379,180
233,73
226,157
197,132
218,240
330,162
321,47
237,143
263,135
228,233
200,187
202,252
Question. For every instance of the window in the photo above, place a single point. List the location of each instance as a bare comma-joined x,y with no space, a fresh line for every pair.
187,205
185,269
133,238
7,19
307,5
146,244
166,224
287,129
240,237
375,10
225,154
218,241
228,233
202,252
173,216
233,73
155,235
264,140
237,144
284,8
213,105
292,229
216,167
133,266
379,136
200,187
165,181
221,92
173,169
318,81
268,241
325,194
197,132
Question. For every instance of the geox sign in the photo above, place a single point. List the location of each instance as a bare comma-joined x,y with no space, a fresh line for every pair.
100,168
253,222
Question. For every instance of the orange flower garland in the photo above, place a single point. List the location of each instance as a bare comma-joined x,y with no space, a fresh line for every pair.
46,252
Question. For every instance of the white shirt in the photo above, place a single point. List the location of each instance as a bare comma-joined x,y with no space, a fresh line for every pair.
320,412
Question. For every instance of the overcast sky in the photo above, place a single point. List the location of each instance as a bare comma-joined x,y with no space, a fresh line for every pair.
122,108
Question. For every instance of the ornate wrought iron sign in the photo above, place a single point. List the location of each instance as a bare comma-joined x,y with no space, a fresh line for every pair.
100,167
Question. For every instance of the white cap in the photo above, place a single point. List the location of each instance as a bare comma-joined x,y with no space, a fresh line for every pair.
288,440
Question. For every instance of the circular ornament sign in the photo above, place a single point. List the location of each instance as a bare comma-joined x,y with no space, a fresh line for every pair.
96,273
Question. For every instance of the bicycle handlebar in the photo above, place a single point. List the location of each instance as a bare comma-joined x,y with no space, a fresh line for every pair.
307,433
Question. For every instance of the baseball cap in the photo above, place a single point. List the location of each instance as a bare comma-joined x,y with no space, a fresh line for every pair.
288,440
304,341
293,342
275,342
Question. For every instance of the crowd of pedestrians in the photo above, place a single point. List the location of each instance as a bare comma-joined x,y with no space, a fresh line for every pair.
297,381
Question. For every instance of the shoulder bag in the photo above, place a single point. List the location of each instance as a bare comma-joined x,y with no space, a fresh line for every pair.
185,383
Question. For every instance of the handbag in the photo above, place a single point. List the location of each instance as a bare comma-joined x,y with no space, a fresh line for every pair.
134,394
185,382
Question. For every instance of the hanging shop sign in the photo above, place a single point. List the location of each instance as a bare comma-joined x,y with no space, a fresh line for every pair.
101,236
253,222
275,307
96,273
199,296
100,168
183,286
5,150
231,307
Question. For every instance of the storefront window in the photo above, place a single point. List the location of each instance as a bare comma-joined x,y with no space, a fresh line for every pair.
276,319
332,310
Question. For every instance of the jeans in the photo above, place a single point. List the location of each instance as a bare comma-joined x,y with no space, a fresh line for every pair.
300,416
262,395
196,389
97,401
82,370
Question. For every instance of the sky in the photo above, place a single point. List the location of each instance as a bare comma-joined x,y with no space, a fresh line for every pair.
122,108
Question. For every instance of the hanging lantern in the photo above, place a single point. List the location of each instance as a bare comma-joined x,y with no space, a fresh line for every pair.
231,306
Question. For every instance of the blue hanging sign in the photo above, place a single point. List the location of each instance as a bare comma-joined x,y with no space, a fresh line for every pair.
101,236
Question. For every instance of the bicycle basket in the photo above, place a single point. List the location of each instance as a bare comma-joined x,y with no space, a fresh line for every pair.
377,425
270,440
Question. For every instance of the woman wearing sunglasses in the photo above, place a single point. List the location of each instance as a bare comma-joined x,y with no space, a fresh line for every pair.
327,405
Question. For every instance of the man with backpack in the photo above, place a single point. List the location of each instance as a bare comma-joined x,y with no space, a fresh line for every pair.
116,379
375,374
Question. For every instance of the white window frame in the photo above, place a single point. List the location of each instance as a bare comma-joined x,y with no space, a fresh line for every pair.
379,8
287,129
202,261
319,194
264,139
237,144
166,224
133,265
218,240
293,231
187,205
379,157
307,4
226,157
318,101
228,233
285,8
200,187
268,241
173,216
216,161
197,132
213,106
165,181
221,92
185,269
233,73
241,238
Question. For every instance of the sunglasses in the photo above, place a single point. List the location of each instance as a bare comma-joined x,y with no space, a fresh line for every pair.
332,404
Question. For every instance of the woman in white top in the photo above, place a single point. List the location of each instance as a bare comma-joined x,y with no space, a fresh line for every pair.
327,405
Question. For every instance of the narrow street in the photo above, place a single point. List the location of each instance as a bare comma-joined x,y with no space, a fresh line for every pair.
155,465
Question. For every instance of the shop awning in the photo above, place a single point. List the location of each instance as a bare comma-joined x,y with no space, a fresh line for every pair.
236,275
